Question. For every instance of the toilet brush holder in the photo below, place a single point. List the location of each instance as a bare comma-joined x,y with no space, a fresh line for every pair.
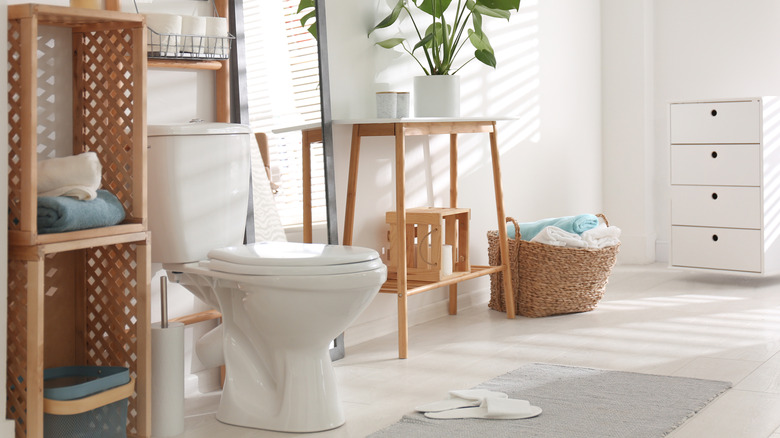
167,373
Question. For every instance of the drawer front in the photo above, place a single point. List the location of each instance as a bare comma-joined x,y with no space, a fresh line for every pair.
720,165
716,248
715,122
727,207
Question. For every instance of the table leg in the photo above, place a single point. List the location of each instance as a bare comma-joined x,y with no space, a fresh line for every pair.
509,296
453,301
306,152
349,213
400,209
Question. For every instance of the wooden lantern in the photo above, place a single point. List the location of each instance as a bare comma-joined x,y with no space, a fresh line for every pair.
427,230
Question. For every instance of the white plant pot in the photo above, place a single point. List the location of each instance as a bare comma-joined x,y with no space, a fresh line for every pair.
437,96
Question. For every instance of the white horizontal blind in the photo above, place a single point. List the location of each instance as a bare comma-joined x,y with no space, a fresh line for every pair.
283,90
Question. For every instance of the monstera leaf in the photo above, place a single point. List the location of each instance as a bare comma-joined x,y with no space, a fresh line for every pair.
441,41
310,16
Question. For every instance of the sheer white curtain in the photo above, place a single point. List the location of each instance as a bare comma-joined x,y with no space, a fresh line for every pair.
283,91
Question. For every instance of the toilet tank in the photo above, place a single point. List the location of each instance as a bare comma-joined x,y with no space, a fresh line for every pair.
198,188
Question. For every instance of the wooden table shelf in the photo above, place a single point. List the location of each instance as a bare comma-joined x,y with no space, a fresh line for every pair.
415,287
400,129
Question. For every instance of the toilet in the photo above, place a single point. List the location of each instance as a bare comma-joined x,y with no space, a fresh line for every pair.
282,303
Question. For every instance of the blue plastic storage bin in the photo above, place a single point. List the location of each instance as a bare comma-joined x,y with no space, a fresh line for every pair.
86,401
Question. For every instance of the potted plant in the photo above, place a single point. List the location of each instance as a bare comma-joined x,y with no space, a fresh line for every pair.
450,25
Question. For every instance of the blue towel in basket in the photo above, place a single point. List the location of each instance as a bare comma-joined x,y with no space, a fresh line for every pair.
573,224
58,214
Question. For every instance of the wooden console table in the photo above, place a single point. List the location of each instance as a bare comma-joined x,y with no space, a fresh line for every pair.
400,129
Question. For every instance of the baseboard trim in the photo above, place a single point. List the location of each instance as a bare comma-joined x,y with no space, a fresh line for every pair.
662,251
637,250
7,428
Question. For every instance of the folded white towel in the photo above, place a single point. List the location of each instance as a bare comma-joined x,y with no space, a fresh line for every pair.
555,236
602,236
76,176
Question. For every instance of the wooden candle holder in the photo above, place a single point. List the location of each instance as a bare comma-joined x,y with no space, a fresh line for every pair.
427,229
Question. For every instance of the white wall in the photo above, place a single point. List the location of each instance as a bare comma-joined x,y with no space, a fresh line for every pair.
548,75
628,154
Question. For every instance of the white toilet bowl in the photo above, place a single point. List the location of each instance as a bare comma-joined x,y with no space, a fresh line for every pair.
282,304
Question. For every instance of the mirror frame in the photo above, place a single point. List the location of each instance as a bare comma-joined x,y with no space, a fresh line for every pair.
337,351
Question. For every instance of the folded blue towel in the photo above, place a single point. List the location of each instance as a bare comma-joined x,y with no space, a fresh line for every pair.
58,214
573,224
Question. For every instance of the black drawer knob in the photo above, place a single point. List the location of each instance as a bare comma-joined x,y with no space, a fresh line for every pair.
714,154
714,237
714,196
714,113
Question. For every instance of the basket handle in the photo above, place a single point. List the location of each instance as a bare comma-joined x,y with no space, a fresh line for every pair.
518,236
81,405
601,215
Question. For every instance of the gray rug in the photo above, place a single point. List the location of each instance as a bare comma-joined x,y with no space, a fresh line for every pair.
577,402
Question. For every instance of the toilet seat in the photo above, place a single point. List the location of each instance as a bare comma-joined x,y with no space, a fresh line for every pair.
291,259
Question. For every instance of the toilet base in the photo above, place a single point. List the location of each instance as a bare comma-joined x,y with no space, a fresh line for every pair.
276,336
304,399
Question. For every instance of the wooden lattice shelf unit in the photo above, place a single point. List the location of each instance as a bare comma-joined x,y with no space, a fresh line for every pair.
79,298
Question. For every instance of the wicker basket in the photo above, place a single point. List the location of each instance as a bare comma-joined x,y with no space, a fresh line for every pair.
550,280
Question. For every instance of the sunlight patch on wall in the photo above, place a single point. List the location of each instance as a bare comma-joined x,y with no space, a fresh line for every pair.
511,91
771,121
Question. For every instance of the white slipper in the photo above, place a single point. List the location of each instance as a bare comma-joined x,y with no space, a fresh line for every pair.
461,398
491,409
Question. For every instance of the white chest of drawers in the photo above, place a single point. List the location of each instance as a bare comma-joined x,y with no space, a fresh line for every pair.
725,185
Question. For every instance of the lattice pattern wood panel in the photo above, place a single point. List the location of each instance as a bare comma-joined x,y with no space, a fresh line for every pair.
112,312
16,372
104,95
14,125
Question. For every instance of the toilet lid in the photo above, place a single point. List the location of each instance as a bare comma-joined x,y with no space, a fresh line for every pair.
291,258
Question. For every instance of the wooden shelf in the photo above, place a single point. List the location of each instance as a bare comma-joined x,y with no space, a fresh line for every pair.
78,298
416,287
194,64
49,15
80,240
24,239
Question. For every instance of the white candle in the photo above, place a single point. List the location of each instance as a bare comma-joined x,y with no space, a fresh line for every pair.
446,259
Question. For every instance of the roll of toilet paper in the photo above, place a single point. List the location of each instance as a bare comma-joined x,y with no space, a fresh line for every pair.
446,259
166,33
167,379
193,29
217,30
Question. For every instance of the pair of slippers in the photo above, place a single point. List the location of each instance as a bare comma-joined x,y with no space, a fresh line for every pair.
479,403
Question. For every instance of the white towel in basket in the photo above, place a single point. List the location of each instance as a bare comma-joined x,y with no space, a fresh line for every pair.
555,236
602,236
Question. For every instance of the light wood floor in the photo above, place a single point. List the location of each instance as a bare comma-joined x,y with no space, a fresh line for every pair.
652,320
